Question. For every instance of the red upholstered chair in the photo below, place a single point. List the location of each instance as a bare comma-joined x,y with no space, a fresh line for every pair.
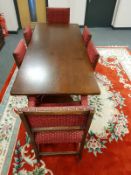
92,54
58,15
54,125
19,52
86,35
28,34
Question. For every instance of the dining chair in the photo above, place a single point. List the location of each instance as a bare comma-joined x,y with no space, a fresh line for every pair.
58,15
27,34
86,35
55,126
59,124
92,54
19,52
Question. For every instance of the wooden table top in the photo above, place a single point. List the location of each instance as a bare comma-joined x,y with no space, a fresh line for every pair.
55,63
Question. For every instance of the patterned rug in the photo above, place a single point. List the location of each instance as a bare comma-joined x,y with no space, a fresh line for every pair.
108,145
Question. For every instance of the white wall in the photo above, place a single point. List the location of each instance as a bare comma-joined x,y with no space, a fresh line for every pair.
8,9
122,14
77,9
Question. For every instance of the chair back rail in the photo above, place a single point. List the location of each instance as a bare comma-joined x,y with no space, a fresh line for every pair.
92,54
27,34
86,35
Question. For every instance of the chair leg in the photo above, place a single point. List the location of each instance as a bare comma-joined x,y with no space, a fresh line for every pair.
37,156
81,147
80,155
80,152
36,150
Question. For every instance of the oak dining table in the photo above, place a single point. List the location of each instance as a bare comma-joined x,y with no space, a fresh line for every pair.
56,63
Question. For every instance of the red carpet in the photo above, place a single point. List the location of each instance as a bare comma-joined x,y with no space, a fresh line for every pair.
114,158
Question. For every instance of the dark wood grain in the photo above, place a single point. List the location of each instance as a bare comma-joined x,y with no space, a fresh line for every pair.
55,63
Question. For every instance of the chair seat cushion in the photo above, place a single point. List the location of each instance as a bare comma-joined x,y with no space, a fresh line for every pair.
42,101
58,137
59,104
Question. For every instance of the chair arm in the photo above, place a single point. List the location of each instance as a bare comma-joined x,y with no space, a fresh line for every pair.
32,101
84,100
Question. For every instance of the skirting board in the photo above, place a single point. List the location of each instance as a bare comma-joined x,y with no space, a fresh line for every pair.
14,31
121,28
